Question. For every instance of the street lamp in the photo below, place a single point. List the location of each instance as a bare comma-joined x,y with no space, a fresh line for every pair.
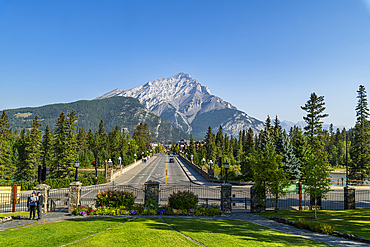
203,160
226,164
110,163
77,164
210,164
119,160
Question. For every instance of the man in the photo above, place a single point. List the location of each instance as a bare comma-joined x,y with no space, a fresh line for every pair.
40,204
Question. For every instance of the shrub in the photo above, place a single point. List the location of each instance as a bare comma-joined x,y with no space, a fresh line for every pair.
183,200
315,226
115,198
151,204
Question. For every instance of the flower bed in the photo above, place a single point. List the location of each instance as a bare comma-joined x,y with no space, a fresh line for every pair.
138,209
116,202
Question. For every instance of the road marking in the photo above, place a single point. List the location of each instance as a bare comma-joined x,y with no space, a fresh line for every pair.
166,168
137,173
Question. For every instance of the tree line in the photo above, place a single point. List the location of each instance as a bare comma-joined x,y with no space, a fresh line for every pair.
295,149
59,148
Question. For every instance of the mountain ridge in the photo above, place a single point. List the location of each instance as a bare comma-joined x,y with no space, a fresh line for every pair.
181,100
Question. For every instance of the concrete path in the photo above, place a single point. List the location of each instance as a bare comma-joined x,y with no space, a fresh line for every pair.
331,240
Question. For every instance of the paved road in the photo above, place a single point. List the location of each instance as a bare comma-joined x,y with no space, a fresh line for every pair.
155,169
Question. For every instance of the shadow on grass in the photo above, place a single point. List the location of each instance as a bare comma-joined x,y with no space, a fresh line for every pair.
224,231
354,221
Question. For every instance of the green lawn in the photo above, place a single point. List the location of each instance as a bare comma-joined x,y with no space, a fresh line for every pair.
2,215
355,221
148,232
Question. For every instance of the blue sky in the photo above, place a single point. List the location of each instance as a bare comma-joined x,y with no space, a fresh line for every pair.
264,57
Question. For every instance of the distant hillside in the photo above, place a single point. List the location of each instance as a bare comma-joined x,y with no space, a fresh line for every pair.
125,112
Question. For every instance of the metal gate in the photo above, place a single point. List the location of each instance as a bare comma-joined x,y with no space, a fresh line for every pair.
240,198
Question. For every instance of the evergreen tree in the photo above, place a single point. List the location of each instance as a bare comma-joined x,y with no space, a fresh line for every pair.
314,107
115,144
210,146
191,149
360,151
277,128
33,151
47,147
291,163
249,144
61,166
82,140
6,164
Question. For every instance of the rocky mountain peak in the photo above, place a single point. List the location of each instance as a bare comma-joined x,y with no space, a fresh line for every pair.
180,99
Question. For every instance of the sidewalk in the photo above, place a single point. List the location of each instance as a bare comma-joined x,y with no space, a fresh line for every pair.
331,240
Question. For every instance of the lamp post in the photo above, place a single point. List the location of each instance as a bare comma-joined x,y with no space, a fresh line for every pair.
226,164
119,160
210,164
77,164
110,163
203,160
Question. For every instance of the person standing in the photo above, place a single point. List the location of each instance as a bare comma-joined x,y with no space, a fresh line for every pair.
40,204
32,201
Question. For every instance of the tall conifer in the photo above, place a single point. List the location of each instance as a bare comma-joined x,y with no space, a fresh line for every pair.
360,151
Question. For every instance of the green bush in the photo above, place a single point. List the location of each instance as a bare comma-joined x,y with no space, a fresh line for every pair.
151,204
183,200
315,226
115,198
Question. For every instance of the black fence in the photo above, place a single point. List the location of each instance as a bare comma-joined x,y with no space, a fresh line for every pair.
207,195
89,193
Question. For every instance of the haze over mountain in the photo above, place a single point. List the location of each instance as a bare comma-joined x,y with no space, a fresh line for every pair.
186,104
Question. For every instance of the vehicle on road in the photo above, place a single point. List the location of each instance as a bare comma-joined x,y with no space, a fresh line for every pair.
172,160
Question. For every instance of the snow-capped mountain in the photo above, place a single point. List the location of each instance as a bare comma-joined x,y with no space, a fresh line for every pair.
186,104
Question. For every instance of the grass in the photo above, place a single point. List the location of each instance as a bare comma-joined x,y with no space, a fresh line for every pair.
355,221
148,232
220,233
2,215
55,234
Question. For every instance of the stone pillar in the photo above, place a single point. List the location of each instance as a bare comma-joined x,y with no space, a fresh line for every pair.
226,198
44,189
151,190
318,202
257,201
74,195
349,198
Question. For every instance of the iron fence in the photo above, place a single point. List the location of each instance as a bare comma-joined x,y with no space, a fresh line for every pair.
207,195
89,193
6,202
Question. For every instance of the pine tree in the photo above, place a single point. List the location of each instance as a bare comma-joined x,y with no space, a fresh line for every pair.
360,152
61,163
47,147
210,145
33,151
277,128
6,164
291,163
314,107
